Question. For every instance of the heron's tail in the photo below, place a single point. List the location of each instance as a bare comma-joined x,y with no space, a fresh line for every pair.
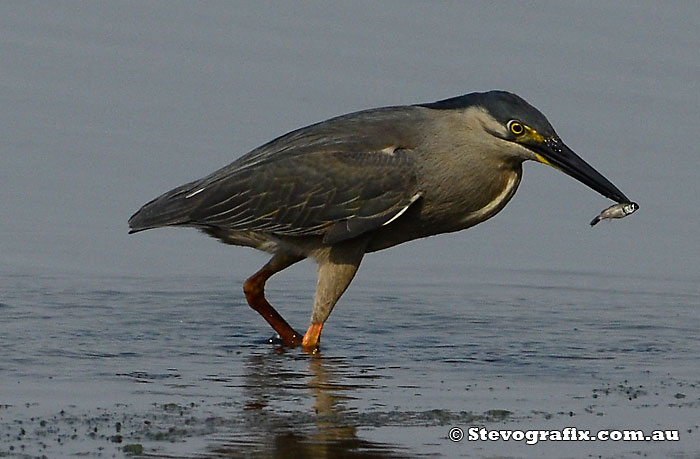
595,220
170,209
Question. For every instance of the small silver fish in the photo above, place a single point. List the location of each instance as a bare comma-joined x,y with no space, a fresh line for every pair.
617,211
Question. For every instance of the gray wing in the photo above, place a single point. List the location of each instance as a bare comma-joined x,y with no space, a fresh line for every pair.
337,195
337,179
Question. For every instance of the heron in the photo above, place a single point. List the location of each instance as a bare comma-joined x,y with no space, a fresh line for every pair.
367,181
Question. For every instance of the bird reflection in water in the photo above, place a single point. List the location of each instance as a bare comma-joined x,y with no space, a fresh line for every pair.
288,413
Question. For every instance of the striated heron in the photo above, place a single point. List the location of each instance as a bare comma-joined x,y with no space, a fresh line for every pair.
366,181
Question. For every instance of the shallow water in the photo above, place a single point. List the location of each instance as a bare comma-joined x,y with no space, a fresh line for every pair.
181,367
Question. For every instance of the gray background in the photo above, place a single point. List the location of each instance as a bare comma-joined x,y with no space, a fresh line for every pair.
106,105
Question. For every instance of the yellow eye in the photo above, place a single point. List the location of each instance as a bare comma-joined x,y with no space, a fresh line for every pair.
516,127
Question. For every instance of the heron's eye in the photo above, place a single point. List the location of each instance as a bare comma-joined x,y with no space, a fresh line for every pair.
516,127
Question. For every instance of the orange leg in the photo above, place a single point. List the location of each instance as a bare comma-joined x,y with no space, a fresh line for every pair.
334,275
254,289
312,338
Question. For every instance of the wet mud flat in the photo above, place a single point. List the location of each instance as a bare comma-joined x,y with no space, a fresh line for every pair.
325,414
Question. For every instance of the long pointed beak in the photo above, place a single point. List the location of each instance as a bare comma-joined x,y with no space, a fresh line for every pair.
555,153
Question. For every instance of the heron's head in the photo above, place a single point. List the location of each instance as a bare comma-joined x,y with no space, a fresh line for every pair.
517,129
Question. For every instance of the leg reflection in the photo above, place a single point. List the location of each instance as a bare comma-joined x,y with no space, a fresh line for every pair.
297,405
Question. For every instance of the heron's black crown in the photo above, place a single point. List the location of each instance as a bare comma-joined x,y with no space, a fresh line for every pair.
502,105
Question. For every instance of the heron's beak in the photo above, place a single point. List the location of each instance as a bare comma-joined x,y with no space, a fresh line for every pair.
555,153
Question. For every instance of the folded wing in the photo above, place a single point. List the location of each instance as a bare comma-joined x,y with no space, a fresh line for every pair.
334,194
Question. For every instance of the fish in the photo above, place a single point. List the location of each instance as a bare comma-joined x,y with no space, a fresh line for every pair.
616,211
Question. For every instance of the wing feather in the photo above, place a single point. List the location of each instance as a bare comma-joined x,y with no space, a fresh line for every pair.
305,183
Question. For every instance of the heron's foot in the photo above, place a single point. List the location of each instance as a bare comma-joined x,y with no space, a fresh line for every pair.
296,341
291,340
312,339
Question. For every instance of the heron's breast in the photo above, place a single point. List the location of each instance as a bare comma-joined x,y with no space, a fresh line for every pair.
479,199
497,202
453,210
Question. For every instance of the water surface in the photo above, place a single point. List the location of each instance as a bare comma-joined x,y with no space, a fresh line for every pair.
182,367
